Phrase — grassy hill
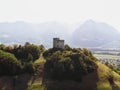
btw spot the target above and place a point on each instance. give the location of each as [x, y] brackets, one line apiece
[102, 79]
[25, 81]
[104, 74]
[98, 80]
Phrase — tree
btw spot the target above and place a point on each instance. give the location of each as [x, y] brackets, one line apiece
[9, 65]
[69, 63]
[28, 67]
[42, 48]
[22, 52]
[30, 57]
[2, 47]
[67, 47]
[34, 50]
[87, 52]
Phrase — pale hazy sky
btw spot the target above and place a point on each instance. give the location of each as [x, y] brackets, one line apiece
[63, 11]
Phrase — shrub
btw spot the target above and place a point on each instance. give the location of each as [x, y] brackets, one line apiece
[9, 65]
[64, 64]
[28, 67]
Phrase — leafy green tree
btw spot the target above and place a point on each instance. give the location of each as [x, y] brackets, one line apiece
[67, 47]
[28, 67]
[42, 48]
[34, 50]
[87, 52]
[64, 64]
[9, 65]
[30, 57]
[2, 47]
[22, 52]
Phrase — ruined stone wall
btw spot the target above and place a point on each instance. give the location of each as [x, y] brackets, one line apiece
[57, 43]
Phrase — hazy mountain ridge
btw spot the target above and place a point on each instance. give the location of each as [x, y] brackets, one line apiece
[93, 34]
[89, 34]
[20, 32]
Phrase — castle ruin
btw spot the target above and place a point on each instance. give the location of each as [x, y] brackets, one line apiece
[57, 43]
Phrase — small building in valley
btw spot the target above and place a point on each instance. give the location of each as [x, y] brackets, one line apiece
[57, 43]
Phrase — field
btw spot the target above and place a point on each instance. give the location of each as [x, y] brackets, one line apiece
[105, 56]
[110, 56]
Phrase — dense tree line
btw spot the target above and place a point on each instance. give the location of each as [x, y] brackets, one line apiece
[18, 59]
[70, 63]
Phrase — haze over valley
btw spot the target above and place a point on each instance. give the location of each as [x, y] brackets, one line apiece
[88, 34]
[59, 45]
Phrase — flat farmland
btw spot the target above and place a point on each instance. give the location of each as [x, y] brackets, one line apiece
[104, 56]
[111, 59]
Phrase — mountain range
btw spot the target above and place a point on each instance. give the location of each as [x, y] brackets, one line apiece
[88, 34]
[93, 34]
[21, 32]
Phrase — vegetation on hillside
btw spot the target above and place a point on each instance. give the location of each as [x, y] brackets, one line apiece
[64, 64]
[116, 69]
[9, 65]
[108, 79]
[54, 69]
[19, 59]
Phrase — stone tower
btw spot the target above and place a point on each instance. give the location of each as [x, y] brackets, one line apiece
[57, 43]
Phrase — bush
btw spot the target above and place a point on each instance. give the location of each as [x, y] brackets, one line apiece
[22, 52]
[19, 59]
[64, 64]
[28, 67]
[9, 65]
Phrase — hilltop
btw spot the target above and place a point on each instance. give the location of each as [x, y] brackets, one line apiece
[61, 71]
[68, 69]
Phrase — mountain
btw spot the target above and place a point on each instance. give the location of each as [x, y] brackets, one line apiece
[114, 44]
[89, 34]
[21, 32]
[93, 34]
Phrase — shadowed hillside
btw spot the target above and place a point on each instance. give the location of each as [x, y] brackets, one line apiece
[99, 78]
[69, 69]
[24, 81]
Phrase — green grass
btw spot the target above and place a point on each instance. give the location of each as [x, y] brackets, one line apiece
[41, 59]
[36, 86]
[103, 86]
[104, 72]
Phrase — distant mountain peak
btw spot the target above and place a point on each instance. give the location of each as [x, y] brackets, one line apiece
[90, 21]
[96, 33]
